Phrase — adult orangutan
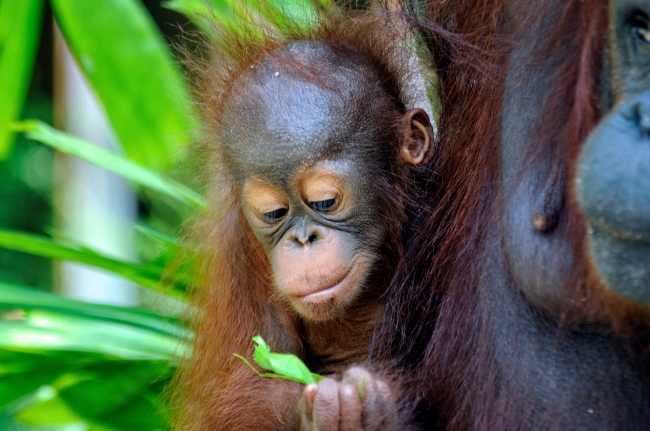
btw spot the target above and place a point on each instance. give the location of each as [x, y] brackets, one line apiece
[533, 311]
[313, 164]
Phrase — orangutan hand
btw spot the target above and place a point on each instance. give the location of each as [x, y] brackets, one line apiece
[360, 401]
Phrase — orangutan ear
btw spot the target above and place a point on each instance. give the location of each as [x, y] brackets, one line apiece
[417, 142]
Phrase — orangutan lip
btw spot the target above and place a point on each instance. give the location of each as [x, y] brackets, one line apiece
[327, 290]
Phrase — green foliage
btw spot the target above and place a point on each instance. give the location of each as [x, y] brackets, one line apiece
[146, 276]
[274, 14]
[283, 365]
[96, 367]
[110, 161]
[67, 365]
[125, 59]
[19, 31]
[25, 182]
[22, 298]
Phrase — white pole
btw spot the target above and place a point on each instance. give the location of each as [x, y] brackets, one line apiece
[91, 206]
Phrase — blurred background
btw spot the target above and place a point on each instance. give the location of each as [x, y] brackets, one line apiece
[95, 184]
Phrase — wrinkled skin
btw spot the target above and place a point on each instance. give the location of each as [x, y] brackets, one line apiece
[311, 163]
[335, 406]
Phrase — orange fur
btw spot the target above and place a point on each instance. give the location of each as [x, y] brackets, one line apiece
[235, 299]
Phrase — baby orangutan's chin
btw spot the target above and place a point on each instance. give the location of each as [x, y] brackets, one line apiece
[322, 311]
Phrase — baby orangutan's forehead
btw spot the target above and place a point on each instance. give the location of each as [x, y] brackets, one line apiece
[280, 130]
[303, 103]
[283, 123]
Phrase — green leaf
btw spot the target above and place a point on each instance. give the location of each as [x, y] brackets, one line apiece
[284, 365]
[203, 12]
[108, 160]
[274, 15]
[286, 14]
[199, 11]
[124, 56]
[100, 389]
[20, 24]
[45, 330]
[15, 386]
[362, 388]
[51, 411]
[19, 297]
[42, 246]
[119, 394]
[106, 369]
[157, 235]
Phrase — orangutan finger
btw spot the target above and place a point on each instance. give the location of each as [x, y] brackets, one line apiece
[326, 406]
[350, 408]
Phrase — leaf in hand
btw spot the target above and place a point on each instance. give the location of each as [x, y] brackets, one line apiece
[283, 365]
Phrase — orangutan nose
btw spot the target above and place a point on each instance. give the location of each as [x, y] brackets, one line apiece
[308, 234]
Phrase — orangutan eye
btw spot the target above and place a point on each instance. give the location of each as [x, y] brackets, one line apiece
[322, 206]
[275, 215]
[640, 28]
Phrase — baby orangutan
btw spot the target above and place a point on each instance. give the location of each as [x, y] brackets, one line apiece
[316, 160]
